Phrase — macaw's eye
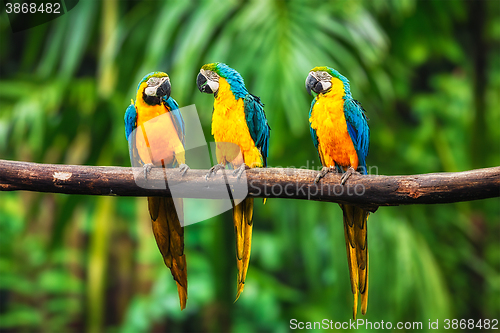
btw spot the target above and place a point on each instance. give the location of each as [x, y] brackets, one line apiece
[154, 81]
[324, 76]
[212, 76]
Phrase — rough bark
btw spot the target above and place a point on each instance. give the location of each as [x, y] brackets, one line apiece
[368, 191]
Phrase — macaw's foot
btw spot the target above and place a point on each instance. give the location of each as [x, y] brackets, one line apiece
[147, 169]
[323, 173]
[346, 175]
[239, 171]
[213, 170]
[183, 168]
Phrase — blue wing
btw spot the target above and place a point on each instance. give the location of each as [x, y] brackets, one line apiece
[257, 124]
[130, 126]
[177, 117]
[130, 120]
[358, 129]
[314, 136]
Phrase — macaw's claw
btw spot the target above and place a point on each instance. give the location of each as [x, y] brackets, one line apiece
[346, 175]
[323, 173]
[213, 170]
[183, 168]
[239, 171]
[147, 169]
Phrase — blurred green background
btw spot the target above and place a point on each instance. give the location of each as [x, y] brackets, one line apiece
[428, 74]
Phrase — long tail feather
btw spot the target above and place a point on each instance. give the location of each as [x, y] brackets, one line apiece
[169, 235]
[364, 294]
[355, 232]
[243, 224]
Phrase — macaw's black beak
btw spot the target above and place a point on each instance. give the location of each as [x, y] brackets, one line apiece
[164, 89]
[313, 84]
[203, 86]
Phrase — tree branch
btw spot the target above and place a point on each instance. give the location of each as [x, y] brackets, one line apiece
[367, 191]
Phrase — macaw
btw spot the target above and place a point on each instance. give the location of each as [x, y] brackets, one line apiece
[160, 142]
[238, 118]
[340, 133]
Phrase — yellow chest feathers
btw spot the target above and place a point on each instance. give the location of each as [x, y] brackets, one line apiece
[229, 125]
[327, 118]
[157, 140]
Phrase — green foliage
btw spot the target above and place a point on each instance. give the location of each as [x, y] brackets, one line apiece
[430, 87]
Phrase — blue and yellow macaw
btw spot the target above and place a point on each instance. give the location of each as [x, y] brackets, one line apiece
[341, 135]
[238, 118]
[159, 141]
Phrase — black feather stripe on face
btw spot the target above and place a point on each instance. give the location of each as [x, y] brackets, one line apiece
[151, 100]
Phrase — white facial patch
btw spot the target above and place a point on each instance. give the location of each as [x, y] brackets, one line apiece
[214, 86]
[212, 79]
[323, 76]
[150, 91]
[326, 85]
